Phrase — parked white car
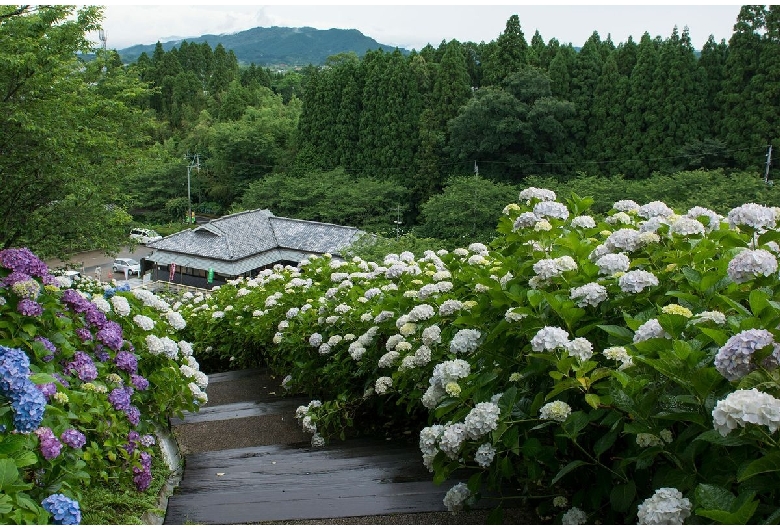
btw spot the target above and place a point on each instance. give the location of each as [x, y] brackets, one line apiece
[126, 264]
[144, 235]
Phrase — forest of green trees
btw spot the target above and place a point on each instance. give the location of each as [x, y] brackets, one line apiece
[443, 136]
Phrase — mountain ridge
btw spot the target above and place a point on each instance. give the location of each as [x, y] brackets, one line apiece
[276, 45]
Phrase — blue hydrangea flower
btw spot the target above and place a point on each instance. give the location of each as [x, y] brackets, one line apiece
[63, 509]
[27, 400]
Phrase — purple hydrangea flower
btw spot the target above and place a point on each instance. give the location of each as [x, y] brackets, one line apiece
[84, 334]
[63, 509]
[75, 301]
[120, 398]
[61, 379]
[100, 353]
[29, 308]
[111, 335]
[139, 382]
[47, 343]
[126, 361]
[73, 438]
[147, 440]
[50, 445]
[47, 389]
[133, 438]
[143, 475]
[23, 260]
[84, 367]
[95, 316]
[735, 358]
[15, 277]
[133, 415]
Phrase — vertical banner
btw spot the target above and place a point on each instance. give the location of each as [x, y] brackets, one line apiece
[171, 271]
[210, 276]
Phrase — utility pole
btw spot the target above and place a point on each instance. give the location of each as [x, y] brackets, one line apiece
[397, 222]
[194, 163]
[476, 168]
[768, 163]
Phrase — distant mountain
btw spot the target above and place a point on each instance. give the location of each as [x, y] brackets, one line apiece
[277, 46]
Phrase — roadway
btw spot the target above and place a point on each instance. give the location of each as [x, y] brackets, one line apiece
[87, 262]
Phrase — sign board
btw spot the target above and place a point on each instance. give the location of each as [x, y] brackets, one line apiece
[210, 276]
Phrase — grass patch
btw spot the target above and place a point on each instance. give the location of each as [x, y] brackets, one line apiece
[112, 503]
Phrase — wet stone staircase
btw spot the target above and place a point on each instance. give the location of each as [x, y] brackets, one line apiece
[246, 460]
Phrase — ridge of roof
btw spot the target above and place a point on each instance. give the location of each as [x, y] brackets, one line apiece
[312, 222]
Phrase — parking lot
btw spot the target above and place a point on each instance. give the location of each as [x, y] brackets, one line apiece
[88, 262]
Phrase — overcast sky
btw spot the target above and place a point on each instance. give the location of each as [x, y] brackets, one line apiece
[414, 26]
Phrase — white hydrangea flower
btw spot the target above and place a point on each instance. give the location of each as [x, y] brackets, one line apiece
[646, 439]
[581, 348]
[511, 316]
[666, 506]
[714, 218]
[315, 340]
[452, 439]
[555, 410]
[456, 497]
[542, 226]
[743, 407]
[383, 385]
[626, 206]
[540, 194]
[654, 209]
[636, 281]
[420, 312]
[610, 264]
[465, 341]
[121, 305]
[324, 348]
[384, 315]
[590, 294]
[478, 260]
[618, 353]
[478, 248]
[620, 218]
[583, 221]
[560, 502]
[450, 307]
[552, 209]
[447, 371]
[102, 304]
[431, 335]
[749, 264]
[574, 516]
[685, 226]
[482, 419]
[485, 455]
[550, 338]
[154, 345]
[143, 322]
[388, 359]
[753, 215]
[624, 239]
[650, 330]
[317, 440]
[525, 220]
[715, 317]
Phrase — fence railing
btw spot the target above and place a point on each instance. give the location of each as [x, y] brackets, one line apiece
[177, 288]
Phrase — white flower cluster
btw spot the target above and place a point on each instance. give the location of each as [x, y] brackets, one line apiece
[753, 215]
[636, 281]
[749, 264]
[734, 359]
[650, 330]
[429, 439]
[580, 348]
[626, 205]
[609, 264]
[552, 209]
[102, 304]
[555, 410]
[144, 322]
[620, 354]
[485, 455]
[666, 506]
[456, 497]
[150, 299]
[444, 373]
[714, 218]
[482, 419]
[654, 209]
[358, 348]
[716, 317]
[746, 406]
[511, 316]
[175, 319]
[420, 312]
[465, 341]
[574, 516]
[315, 340]
[540, 194]
[620, 218]
[590, 294]
[120, 305]
[525, 220]
[551, 268]
[550, 338]
[420, 358]
[685, 226]
[383, 385]
[431, 335]
[624, 239]
[583, 221]
[384, 315]
[450, 307]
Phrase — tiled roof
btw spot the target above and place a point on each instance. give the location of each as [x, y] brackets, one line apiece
[242, 236]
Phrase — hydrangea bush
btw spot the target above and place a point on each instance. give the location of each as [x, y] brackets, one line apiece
[607, 369]
[82, 386]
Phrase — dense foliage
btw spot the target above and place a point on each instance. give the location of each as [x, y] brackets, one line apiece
[88, 373]
[603, 368]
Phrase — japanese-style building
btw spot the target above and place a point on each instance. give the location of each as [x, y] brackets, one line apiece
[242, 244]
